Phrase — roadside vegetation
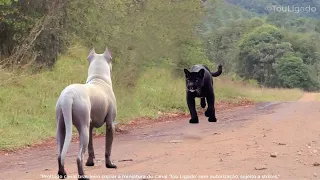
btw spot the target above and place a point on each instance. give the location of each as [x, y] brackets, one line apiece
[27, 113]
[151, 42]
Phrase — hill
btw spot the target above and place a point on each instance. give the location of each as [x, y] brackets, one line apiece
[300, 8]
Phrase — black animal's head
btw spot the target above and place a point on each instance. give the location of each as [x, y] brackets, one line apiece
[194, 80]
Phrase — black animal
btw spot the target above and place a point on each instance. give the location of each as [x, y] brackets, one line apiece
[199, 84]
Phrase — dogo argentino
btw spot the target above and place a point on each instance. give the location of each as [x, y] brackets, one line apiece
[87, 106]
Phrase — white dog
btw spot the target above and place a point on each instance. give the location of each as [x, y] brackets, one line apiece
[87, 106]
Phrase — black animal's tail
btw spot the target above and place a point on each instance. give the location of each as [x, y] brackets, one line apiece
[216, 74]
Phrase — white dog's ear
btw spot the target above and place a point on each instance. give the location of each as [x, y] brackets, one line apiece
[91, 54]
[107, 55]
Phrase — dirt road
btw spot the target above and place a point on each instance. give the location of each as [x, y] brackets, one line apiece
[240, 144]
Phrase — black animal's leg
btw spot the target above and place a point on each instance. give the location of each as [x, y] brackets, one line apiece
[203, 102]
[90, 161]
[208, 111]
[211, 110]
[192, 108]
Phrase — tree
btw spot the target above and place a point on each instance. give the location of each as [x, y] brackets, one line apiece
[30, 31]
[259, 51]
[221, 45]
[293, 73]
[306, 45]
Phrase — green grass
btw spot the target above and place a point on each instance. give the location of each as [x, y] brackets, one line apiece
[228, 89]
[27, 108]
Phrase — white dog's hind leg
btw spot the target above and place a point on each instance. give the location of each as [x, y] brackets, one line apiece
[91, 156]
[61, 132]
[65, 110]
[84, 141]
[110, 130]
[109, 139]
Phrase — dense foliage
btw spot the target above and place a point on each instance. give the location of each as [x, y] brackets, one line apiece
[31, 30]
[276, 49]
[139, 33]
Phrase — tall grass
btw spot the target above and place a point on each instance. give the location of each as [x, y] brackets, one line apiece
[27, 108]
[228, 89]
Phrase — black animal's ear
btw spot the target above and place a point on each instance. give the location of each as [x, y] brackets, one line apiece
[201, 73]
[186, 72]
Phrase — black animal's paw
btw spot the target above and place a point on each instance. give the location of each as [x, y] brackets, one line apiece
[203, 103]
[212, 119]
[111, 165]
[208, 113]
[90, 163]
[62, 175]
[194, 121]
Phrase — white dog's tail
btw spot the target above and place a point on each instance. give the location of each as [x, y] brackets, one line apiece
[66, 107]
